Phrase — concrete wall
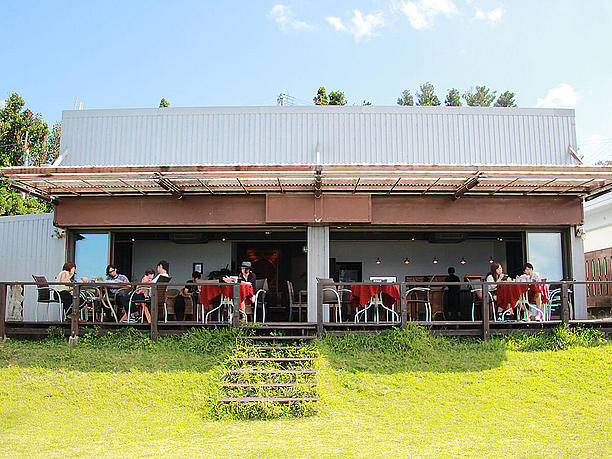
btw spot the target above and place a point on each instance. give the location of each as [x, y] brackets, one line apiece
[146, 254]
[420, 253]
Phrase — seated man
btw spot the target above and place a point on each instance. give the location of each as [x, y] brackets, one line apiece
[121, 295]
[529, 275]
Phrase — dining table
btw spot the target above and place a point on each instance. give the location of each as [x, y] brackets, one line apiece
[209, 292]
[508, 294]
[368, 295]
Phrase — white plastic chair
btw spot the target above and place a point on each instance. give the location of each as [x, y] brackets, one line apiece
[424, 292]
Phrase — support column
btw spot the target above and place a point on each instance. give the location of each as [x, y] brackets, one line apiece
[579, 274]
[318, 266]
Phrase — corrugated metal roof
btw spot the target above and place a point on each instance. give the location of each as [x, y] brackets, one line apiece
[49, 182]
[294, 135]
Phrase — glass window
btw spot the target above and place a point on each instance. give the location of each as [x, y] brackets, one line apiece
[91, 255]
[544, 253]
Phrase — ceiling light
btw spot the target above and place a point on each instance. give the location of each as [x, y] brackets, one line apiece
[406, 261]
[463, 261]
[491, 260]
[435, 261]
[378, 261]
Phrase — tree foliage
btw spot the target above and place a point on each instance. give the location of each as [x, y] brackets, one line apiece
[426, 95]
[453, 98]
[405, 98]
[163, 103]
[505, 100]
[16, 124]
[321, 97]
[337, 98]
[482, 97]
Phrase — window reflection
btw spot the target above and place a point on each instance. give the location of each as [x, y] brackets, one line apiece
[544, 253]
[91, 254]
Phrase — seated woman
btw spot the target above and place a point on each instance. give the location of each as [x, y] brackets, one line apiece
[142, 293]
[188, 292]
[65, 291]
[496, 274]
[246, 275]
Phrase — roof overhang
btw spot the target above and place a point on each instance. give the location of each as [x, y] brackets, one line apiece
[452, 180]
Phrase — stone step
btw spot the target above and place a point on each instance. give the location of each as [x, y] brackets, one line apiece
[270, 372]
[273, 359]
[266, 399]
[276, 385]
[278, 338]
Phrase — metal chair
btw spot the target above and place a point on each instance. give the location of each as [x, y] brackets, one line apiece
[46, 294]
[554, 302]
[476, 299]
[261, 287]
[420, 295]
[331, 296]
[298, 305]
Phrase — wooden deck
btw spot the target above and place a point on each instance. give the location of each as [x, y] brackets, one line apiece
[296, 330]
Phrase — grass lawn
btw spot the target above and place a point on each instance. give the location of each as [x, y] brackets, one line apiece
[404, 394]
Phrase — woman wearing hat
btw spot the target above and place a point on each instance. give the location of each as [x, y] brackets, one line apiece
[246, 275]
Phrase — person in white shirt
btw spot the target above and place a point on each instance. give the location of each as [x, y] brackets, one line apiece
[529, 275]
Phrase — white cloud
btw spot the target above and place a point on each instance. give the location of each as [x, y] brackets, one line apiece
[282, 15]
[361, 26]
[491, 16]
[2, 103]
[562, 96]
[421, 14]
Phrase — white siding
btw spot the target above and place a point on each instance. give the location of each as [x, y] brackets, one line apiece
[293, 135]
[27, 247]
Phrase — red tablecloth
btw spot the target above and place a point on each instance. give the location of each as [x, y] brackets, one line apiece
[509, 294]
[361, 294]
[210, 291]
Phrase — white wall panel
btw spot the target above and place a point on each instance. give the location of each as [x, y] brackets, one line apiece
[293, 135]
[27, 247]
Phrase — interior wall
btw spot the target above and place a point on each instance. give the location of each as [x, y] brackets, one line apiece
[421, 254]
[146, 254]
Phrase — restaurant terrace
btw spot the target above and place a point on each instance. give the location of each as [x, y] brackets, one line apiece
[351, 215]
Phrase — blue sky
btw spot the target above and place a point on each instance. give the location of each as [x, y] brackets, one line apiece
[194, 53]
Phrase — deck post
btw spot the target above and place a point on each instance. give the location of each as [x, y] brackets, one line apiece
[236, 310]
[319, 309]
[564, 303]
[486, 331]
[403, 305]
[154, 313]
[3, 290]
[74, 316]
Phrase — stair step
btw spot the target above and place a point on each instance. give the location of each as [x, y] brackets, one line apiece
[278, 348]
[270, 372]
[273, 359]
[266, 399]
[246, 385]
[279, 338]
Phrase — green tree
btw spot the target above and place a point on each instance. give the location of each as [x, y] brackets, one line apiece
[405, 98]
[426, 95]
[453, 98]
[163, 103]
[483, 97]
[505, 100]
[321, 97]
[337, 98]
[17, 124]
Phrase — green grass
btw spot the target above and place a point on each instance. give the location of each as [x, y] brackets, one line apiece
[406, 393]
